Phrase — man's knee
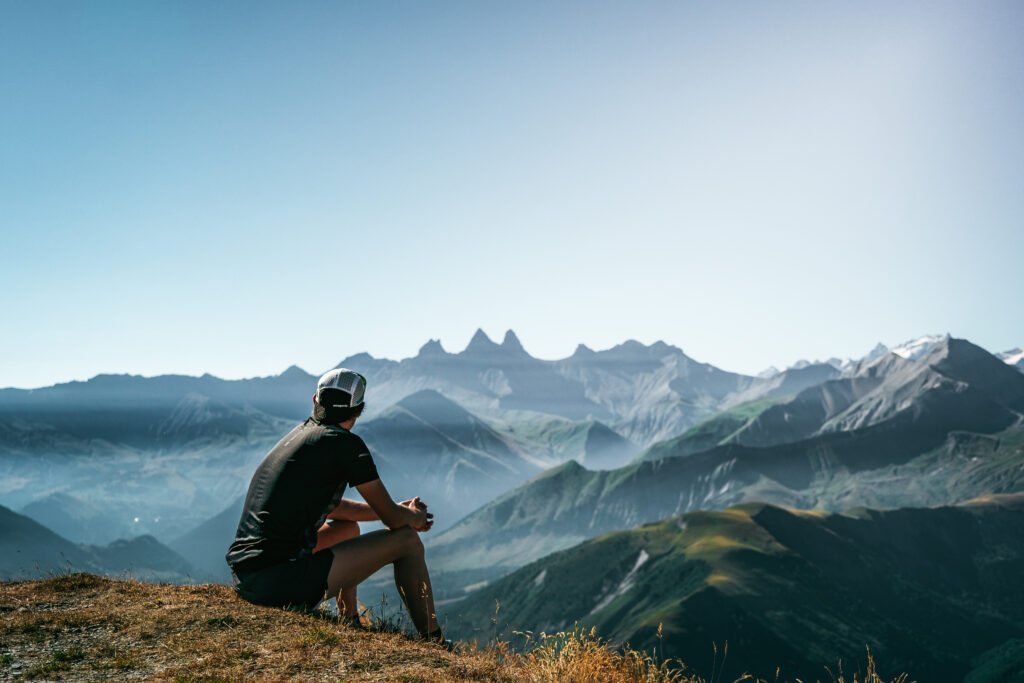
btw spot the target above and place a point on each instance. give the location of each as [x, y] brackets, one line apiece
[410, 539]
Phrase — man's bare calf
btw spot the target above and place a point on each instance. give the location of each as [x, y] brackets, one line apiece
[357, 558]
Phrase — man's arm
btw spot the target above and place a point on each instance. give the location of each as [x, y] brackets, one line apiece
[354, 511]
[393, 515]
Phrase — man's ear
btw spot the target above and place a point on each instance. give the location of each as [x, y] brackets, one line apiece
[314, 399]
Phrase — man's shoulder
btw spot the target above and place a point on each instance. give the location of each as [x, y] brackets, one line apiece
[340, 437]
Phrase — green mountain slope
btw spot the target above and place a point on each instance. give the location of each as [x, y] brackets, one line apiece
[713, 432]
[928, 590]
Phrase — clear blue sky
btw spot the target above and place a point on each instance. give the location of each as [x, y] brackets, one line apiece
[235, 187]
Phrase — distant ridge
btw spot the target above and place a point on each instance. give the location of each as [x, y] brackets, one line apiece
[494, 416]
[480, 341]
[29, 549]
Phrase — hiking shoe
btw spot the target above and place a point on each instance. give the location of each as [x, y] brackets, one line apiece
[353, 621]
[437, 637]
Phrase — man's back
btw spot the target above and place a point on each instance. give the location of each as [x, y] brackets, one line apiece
[300, 480]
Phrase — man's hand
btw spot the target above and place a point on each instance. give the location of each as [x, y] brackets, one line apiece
[412, 513]
[414, 504]
[417, 505]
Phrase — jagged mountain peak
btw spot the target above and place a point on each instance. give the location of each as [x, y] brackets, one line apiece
[367, 365]
[847, 365]
[632, 347]
[921, 346]
[294, 371]
[769, 372]
[964, 361]
[432, 348]
[355, 360]
[947, 349]
[511, 342]
[877, 366]
[878, 351]
[583, 350]
[480, 342]
[661, 347]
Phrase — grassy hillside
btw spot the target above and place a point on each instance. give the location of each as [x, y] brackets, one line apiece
[82, 627]
[932, 591]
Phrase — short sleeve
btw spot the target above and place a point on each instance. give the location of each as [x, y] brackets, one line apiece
[363, 468]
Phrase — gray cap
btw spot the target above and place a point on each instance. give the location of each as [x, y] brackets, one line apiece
[341, 388]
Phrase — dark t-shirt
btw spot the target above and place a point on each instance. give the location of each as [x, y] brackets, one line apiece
[299, 482]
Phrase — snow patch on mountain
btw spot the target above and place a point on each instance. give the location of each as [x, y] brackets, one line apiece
[916, 348]
[624, 585]
[539, 579]
[1012, 357]
[913, 349]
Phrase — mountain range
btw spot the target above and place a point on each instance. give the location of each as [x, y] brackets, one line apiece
[619, 488]
[644, 393]
[120, 456]
[891, 432]
[161, 455]
[935, 592]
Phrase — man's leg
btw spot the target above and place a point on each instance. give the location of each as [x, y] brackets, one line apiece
[332, 533]
[358, 558]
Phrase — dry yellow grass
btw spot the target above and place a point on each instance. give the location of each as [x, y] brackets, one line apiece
[83, 627]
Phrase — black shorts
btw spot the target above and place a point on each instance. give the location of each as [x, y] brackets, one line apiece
[301, 582]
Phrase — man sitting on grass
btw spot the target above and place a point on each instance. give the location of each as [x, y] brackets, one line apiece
[298, 539]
